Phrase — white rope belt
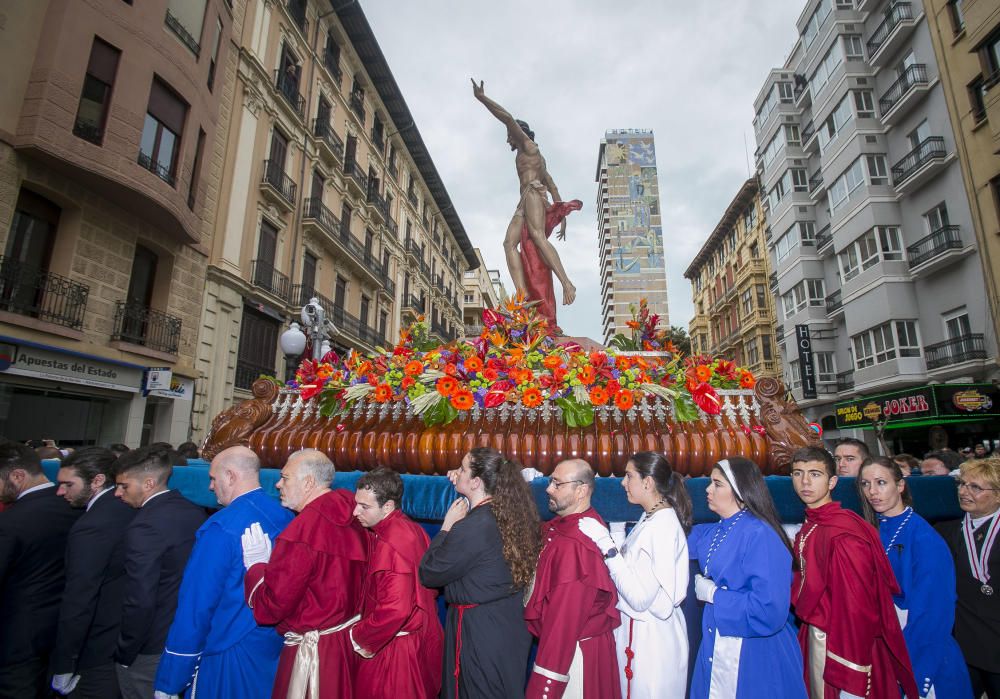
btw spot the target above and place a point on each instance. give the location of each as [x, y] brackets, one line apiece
[305, 670]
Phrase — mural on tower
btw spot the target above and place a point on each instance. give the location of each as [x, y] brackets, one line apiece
[638, 233]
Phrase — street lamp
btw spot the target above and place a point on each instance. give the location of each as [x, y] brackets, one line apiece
[318, 329]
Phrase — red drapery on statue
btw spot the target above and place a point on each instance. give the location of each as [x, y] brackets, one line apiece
[537, 275]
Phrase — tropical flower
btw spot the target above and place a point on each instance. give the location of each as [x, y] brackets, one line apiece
[532, 397]
[462, 400]
[490, 374]
[614, 387]
[446, 385]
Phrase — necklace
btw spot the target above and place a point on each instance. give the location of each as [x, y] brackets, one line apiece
[660, 504]
[802, 558]
[717, 542]
[909, 513]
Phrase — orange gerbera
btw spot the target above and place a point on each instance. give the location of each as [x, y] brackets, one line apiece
[473, 363]
[462, 399]
[414, 368]
[623, 362]
[552, 361]
[521, 375]
[747, 380]
[383, 393]
[450, 369]
[598, 396]
[624, 400]
[532, 398]
[703, 373]
[587, 375]
[446, 385]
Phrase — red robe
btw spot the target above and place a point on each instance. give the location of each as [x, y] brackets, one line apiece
[573, 599]
[537, 275]
[845, 590]
[394, 601]
[314, 582]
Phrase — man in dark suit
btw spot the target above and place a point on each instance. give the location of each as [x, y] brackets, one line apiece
[158, 542]
[83, 659]
[33, 531]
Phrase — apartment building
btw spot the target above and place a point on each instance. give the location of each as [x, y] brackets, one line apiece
[110, 130]
[630, 233]
[733, 309]
[877, 271]
[328, 192]
[482, 288]
[966, 39]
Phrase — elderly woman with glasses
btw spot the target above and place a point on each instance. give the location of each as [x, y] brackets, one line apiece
[925, 572]
[972, 541]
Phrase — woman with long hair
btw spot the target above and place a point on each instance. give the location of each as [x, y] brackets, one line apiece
[925, 571]
[748, 645]
[651, 576]
[484, 557]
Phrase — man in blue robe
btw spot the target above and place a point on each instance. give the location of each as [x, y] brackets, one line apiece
[214, 645]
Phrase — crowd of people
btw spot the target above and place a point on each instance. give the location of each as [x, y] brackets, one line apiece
[112, 584]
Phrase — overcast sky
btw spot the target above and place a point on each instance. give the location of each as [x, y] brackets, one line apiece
[688, 71]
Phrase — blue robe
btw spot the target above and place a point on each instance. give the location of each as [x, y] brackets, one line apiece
[925, 571]
[750, 612]
[214, 642]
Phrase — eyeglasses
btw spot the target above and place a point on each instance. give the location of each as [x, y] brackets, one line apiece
[974, 488]
[559, 484]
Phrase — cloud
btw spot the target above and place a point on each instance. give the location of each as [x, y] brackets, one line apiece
[689, 71]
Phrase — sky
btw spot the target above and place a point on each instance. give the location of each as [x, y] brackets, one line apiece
[572, 70]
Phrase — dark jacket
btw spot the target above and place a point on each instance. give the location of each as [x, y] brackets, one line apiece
[33, 534]
[157, 545]
[95, 586]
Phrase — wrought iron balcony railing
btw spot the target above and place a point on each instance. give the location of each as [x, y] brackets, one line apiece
[835, 301]
[288, 85]
[139, 324]
[331, 59]
[357, 103]
[354, 172]
[845, 381]
[915, 74]
[40, 294]
[264, 276]
[164, 173]
[965, 348]
[897, 13]
[247, 372]
[275, 176]
[182, 33]
[88, 130]
[940, 241]
[316, 210]
[324, 130]
[930, 148]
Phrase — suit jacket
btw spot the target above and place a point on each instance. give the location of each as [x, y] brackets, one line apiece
[33, 534]
[158, 542]
[95, 586]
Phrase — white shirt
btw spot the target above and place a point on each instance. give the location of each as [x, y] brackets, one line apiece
[979, 521]
[34, 488]
[153, 496]
[90, 503]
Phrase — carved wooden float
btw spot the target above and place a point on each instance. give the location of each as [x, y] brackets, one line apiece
[759, 424]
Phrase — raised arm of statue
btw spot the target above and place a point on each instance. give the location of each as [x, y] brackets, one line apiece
[513, 130]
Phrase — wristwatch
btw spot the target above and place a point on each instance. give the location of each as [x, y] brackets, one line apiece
[612, 552]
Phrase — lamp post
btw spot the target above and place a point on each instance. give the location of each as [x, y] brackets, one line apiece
[317, 328]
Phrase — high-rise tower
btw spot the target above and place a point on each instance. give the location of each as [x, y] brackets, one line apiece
[630, 235]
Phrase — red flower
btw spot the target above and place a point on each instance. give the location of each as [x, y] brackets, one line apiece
[494, 363]
[559, 374]
[586, 375]
[490, 374]
[552, 361]
[491, 318]
[309, 391]
[598, 359]
[726, 369]
[614, 387]
[623, 362]
[624, 400]
[450, 369]
[707, 399]
[383, 393]
[407, 382]
[598, 396]
[446, 385]
[462, 399]
[494, 397]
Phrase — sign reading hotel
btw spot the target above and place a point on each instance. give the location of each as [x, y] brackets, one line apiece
[936, 401]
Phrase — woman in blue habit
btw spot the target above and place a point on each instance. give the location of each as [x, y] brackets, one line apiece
[748, 647]
[925, 571]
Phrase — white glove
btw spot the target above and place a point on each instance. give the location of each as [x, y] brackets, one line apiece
[256, 546]
[163, 695]
[597, 533]
[704, 588]
[65, 683]
[618, 533]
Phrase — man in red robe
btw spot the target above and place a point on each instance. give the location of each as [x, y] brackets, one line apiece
[399, 635]
[572, 607]
[310, 586]
[842, 591]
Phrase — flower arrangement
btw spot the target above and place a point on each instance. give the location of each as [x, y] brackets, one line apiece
[516, 360]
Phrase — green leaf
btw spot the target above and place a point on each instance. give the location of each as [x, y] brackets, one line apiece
[440, 413]
[330, 404]
[623, 342]
[575, 414]
[684, 408]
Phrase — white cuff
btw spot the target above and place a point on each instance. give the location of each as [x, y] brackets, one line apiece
[551, 674]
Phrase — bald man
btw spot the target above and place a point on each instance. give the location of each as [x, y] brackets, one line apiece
[215, 646]
[572, 609]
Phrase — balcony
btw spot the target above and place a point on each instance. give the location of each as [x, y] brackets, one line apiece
[247, 372]
[377, 204]
[347, 324]
[331, 59]
[392, 227]
[939, 249]
[357, 104]
[287, 86]
[958, 350]
[823, 238]
[904, 94]
[413, 250]
[816, 187]
[388, 286]
[40, 294]
[412, 197]
[378, 140]
[265, 277]
[845, 381]
[181, 32]
[356, 178]
[919, 165]
[414, 305]
[297, 11]
[88, 130]
[748, 270]
[303, 294]
[277, 186]
[835, 303]
[161, 171]
[361, 257]
[137, 324]
[316, 215]
[772, 281]
[891, 33]
[472, 330]
[330, 143]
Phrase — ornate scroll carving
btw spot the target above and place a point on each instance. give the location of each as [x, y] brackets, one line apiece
[233, 426]
[786, 429]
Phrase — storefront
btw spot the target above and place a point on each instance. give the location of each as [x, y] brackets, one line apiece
[925, 418]
[80, 400]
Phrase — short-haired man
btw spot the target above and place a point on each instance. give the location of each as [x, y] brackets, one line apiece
[33, 532]
[842, 592]
[572, 609]
[940, 463]
[399, 634]
[83, 659]
[310, 586]
[849, 454]
[158, 542]
[979, 451]
[214, 644]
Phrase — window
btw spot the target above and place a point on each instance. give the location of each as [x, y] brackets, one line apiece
[957, 16]
[771, 150]
[765, 347]
[257, 348]
[470, 298]
[792, 136]
[977, 98]
[819, 16]
[937, 218]
[29, 248]
[831, 61]
[844, 185]
[786, 244]
[878, 173]
[879, 344]
[340, 292]
[807, 292]
[213, 61]
[185, 18]
[817, 292]
[383, 324]
[753, 354]
[890, 242]
[746, 299]
[826, 368]
[161, 132]
[832, 125]
[95, 97]
[853, 47]
[794, 375]
[332, 57]
[956, 324]
[807, 231]
[919, 134]
[196, 170]
[800, 180]
[363, 315]
[858, 256]
[864, 104]
[906, 333]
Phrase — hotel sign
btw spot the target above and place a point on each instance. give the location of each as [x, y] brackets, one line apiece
[936, 401]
